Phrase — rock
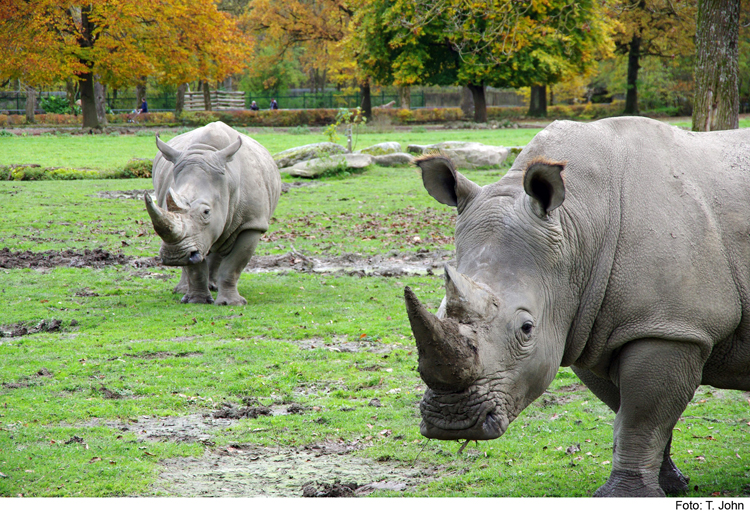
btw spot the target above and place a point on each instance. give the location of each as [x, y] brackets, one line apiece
[393, 159]
[296, 155]
[314, 168]
[465, 154]
[383, 148]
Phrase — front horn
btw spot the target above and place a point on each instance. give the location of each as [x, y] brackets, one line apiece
[167, 224]
[448, 360]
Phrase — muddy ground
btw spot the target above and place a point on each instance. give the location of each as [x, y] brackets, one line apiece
[326, 469]
[389, 265]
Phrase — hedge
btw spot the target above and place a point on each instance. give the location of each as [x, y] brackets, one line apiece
[324, 117]
[134, 169]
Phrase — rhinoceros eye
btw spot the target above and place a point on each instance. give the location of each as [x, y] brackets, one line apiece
[526, 327]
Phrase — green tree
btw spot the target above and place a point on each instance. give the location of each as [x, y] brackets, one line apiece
[476, 44]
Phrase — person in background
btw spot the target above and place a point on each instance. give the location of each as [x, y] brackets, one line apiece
[274, 105]
[254, 106]
[144, 106]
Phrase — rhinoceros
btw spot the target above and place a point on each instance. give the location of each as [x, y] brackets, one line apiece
[216, 191]
[619, 248]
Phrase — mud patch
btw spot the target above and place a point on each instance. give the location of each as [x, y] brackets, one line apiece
[324, 470]
[389, 265]
[341, 344]
[24, 328]
[120, 194]
[96, 258]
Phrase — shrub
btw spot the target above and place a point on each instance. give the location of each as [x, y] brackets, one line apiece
[54, 104]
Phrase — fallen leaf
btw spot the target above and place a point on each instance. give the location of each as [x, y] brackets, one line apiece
[147, 454]
[3, 475]
[95, 459]
[700, 458]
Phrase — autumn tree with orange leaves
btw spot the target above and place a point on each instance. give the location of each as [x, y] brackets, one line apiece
[117, 42]
[312, 33]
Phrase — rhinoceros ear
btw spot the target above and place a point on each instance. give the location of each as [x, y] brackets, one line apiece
[444, 183]
[169, 153]
[227, 153]
[543, 182]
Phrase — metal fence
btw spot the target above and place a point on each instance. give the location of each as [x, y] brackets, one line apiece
[15, 101]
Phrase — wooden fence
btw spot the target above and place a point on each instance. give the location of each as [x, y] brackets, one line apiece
[220, 100]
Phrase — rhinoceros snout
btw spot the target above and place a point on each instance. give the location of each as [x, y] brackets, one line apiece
[195, 258]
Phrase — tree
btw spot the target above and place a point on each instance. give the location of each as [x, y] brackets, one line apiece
[716, 102]
[478, 44]
[308, 33]
[658, 28]
[117, 42]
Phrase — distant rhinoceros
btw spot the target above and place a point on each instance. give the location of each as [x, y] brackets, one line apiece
[620, 248]
[216, 190]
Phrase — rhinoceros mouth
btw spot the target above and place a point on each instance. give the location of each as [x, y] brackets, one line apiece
[179, 256]
[453, 416]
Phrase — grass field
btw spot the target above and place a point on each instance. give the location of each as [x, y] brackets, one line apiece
[137, 394]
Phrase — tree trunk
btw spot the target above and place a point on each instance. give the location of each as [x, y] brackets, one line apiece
[100, 98]
[30, 104]
[404, 97]
[207, 95]
[538, 102]
[634, 58]
[179, 104]
[480, 104]
[717, 103]
[86, 80]
[88, 101]
[467, 102]
[70, 89]
[366, 99]
[140, 93]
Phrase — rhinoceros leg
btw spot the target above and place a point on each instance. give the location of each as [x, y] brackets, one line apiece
[197, 284]
[214, 260]
[182, 286]
[671, 480]
[232, 266]
[657, 379]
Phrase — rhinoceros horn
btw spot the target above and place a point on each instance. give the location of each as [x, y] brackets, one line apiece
[227, 153]
[167, 224]
[448, 360]
[169, 153]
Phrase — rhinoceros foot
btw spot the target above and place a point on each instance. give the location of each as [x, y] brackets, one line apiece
[230, 299]
[197, 298]
[672, 480]
[623, 483]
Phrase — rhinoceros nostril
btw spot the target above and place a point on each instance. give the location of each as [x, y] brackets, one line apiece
[195, 257]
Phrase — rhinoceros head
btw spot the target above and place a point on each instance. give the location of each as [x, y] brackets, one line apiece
[197, 205]
[497, 340]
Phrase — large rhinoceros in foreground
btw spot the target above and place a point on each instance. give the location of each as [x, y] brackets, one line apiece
[216, 190]
[620, 248]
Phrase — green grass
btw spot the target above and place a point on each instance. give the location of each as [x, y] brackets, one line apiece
[105, 152]
[132, 338]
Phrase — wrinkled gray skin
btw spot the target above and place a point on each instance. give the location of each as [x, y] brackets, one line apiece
[216, 190]
[620, 248]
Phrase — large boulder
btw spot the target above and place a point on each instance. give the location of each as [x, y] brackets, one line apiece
[296, 155]
[465, 155]
[315, 168]
[393, 159]
[383, 148]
